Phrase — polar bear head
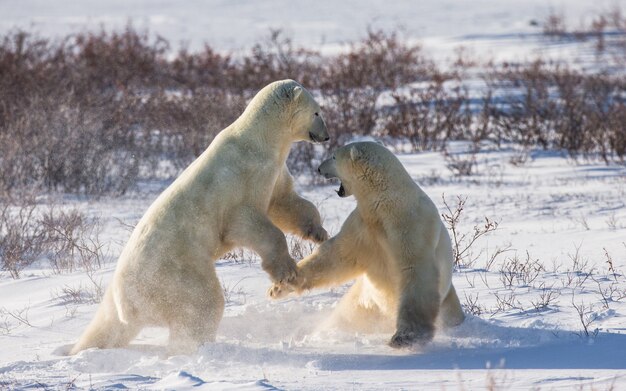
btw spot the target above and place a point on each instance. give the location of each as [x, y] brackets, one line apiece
[294, 107]
[363, 168]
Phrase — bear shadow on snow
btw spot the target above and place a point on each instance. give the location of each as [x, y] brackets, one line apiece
[492, 346]
[475, 344]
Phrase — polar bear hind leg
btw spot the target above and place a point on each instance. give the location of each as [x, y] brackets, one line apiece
[196, 312]
[419, 305]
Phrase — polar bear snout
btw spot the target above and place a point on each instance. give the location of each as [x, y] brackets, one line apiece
[328, 169]
[318, 132]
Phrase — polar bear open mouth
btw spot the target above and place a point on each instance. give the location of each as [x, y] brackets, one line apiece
[316, 139]
[341, 192]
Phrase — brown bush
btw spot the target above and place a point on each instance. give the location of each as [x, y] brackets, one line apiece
[428, 117]
[353, 81]
[203, 69]
[29, 232]
[96, 112]
[54, 143]
[557, 107]
[185, 124]
[382, 61]
[276, 59]
[22, 240]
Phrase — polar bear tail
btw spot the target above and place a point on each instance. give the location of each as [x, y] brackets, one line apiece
[119, 308]
[106, 330]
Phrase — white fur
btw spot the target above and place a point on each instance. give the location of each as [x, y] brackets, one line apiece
[394, 243]
[238, 193]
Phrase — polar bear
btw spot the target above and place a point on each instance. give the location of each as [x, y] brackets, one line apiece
[237, 193]
[394, 243]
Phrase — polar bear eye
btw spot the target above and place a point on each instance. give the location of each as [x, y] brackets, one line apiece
[333, 157]
[317, 114]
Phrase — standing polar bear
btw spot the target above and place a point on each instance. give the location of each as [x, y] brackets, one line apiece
[394, 242]
[237, 193]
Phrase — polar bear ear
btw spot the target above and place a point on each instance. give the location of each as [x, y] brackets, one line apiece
[297, 90]
[355, 154]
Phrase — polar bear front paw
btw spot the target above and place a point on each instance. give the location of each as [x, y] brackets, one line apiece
[282, 272]
[279, 291]
[403, 339]
[316, 233]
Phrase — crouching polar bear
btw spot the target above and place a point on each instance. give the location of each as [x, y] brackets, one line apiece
[394, 242]
[238, 193]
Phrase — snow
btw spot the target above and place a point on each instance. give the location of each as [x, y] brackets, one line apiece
[565, 215]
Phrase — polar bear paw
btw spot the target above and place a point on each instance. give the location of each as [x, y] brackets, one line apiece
[279, 291]
[281, 271]
[406, 338]
[316, 233]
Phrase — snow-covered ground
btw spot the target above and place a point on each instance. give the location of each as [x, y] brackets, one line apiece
[559, 222]
[567, 216]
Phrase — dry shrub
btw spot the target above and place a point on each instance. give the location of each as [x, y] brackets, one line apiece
[350, 112]
[56, 144]
[93, 112]
[607, 28]
[381, 61]
[203, 69]
[22, 238]
[274, 59]
[304, 159]
[184, 124]
[523, 112]
[55, 127]
[429, 116]
[557, 107]
[96, 112]
[118, 61]
[554, 25]
[72, 240]
[299, 248]
[353, 81]
[462, 243]
[462, 163]
[30, 233]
